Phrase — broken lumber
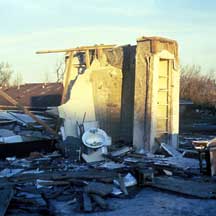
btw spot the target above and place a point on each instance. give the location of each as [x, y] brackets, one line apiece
[122, 184]
[87, 205]
[78, 49]
[26, 111]
[100, 201]
[120, 151]
[204, 190]
[66, 175]
[67, 72]
[99, 188]
[170, 150]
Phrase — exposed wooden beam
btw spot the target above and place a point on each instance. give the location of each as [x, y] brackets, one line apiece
[67, 76]
[78, 49]
[87, 58]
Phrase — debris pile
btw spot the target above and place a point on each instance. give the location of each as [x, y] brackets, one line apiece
[106, 131]
[50, 184]
[21, 131]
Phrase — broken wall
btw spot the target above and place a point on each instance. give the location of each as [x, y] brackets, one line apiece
[104, 91]
[79, 98]
[113, 86]
[132, 91]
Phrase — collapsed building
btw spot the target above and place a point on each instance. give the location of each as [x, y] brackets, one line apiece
[131, 90]
[119, 105]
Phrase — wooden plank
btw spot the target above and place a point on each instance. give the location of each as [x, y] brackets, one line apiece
[99, 52]
[26, 111]
[78, 49]
[205, 190]
[122, 184]
[6, 194]
[170, 150]
[212, 151]
[100, 201]
[63, 175]
[87, 205]
[212, 141]
[67, 77]
[87, 59]
[99, 188]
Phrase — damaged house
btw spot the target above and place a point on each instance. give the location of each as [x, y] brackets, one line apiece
[113, 132]
[132, 91]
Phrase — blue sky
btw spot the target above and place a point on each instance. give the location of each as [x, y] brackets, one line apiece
[31, 25]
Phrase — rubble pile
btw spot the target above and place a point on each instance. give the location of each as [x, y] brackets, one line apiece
[50, 184]
[13, 122]
[119, 105]
[21, 131]
[90, 170]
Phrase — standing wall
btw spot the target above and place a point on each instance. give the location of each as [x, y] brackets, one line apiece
[156, 99]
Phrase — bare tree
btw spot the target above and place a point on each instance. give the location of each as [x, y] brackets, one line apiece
[197, 86]
[18, 80]
[5, 74]
[59, 70]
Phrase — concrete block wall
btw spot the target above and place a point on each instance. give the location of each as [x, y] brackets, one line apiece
[113, 86]
[120, 91]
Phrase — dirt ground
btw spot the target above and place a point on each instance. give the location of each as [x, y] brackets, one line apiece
[152, 202]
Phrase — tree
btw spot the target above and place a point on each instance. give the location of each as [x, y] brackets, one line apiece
[59, 70]
[197, 86]
[5, 74]
[18, 80]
